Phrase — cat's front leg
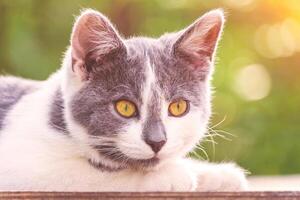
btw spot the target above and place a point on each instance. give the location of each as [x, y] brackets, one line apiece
[219, 177]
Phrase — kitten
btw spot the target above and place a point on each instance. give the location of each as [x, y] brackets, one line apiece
[120, 115]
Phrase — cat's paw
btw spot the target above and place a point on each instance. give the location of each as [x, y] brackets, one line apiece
[181, 177]
[174, 176]
[221, 177]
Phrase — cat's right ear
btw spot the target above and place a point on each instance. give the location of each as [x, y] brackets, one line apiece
[93, 41]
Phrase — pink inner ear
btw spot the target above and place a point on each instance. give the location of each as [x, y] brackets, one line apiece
[199, 41]
[93, 37]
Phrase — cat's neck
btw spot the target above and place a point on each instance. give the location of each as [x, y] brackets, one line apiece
[61, 86]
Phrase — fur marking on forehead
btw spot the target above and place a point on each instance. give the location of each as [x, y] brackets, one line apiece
[147, 88]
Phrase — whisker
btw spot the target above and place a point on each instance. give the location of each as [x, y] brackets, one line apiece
[217, 133]
[222, 131]
[213, 143]
[199, 147]
[219, 123]
[208, 140]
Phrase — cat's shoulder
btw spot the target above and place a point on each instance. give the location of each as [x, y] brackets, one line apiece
[11, 86]
[12, 89]
[13, 80]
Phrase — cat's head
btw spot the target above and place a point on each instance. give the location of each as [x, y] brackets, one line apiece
[134, 103]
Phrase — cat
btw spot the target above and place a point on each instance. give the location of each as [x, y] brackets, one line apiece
[120, 114]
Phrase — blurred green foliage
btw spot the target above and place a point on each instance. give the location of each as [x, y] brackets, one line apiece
[34, 33]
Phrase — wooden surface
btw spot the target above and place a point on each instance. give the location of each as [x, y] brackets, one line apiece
[156, 195]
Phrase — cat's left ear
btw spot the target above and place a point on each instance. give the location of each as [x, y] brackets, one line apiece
[197, 43]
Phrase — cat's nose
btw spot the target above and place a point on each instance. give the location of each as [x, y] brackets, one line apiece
[156, 145]
[154, 135]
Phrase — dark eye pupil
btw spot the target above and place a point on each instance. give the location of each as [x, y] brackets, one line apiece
[126, 107]
[178, 106]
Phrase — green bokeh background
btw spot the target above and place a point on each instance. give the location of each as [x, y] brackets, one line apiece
[35, 33]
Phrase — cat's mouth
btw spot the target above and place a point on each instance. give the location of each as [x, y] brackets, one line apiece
[125, 161]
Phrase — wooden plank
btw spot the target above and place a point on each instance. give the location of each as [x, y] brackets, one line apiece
[154, 195]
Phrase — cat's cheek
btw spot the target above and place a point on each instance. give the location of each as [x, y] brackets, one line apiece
[183, 133]
[193, 128]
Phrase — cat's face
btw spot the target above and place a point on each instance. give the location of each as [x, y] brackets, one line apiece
[141, 101]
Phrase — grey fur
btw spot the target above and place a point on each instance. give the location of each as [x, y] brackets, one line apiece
[105, 168]
[57, 118]
[10, 94]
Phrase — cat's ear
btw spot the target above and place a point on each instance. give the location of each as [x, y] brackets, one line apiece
[197, 43]
[93, 41]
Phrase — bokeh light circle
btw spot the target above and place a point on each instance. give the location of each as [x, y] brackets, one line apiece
[253, 82]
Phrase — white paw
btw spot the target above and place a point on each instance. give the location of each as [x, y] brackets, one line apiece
[221, 177]
[175, 176]
[182, 179]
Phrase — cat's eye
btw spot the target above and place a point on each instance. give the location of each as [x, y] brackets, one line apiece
[126, 108]
[178, 108]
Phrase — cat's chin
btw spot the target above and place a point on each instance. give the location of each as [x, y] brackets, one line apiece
[142, 164]
[138, 164]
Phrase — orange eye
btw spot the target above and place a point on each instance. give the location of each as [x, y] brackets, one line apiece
[125, 108]
[178, 108]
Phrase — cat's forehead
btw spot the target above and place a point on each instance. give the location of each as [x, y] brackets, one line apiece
[172, 75]
[143, 45]
[148, 60]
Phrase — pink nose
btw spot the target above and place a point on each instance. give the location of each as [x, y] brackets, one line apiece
[156, 145]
